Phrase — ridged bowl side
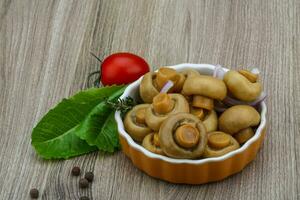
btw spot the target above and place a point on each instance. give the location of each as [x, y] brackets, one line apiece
[189, 173]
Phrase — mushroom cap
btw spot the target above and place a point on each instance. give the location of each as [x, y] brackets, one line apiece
[149, 145]
[154, 120]
[135, 130]
[147, 88]
[190, 72]
[211, 121]
[168, 142]
[237, 118]
[240, 87]
[207, 86]
[214, 152]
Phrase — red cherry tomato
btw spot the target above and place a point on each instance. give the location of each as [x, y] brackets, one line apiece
[122, 68]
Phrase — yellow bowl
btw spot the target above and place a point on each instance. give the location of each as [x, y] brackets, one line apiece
[186, 170]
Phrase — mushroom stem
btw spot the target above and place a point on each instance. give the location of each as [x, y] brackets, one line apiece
[162, 103]
[219, 141]
[249, 75]
[187, 136]
[140, 115]
[165, 74]
[198, 112]
[244, 135]
[203, 102]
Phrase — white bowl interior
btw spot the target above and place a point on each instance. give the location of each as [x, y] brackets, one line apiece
[133, 91]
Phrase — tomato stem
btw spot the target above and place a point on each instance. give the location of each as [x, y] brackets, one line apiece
[96, 82]
[96, 56]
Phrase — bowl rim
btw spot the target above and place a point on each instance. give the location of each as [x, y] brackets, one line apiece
[140, 148]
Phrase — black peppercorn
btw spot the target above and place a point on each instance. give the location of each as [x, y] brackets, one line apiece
[84, 198]
[76, 171]
[34, 193]
[89, 176]
[83, 183]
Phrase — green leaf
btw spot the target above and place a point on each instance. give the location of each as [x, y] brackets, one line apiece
[55, 135]
[108, 138]
[94, 124]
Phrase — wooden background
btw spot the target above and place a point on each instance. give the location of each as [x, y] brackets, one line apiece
[45, 56]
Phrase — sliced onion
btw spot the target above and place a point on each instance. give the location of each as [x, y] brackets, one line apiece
[219, 72]
[220, 106]
[220, 109]
[255, 71]
[167, 87]
[231, 101]
[217, 68]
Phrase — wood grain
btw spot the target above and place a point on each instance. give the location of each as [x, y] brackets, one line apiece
[45, 56]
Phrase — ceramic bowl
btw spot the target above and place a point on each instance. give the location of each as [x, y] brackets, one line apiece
[186, 170]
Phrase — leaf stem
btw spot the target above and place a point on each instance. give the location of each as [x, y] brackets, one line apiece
[96, 82]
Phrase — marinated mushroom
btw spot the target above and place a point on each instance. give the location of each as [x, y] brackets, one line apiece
[210, 121]
[151, 143]
[204, 90]
[219, 143]
[166, 74]
[147, 88]
[134, 122]
[152, 83]
[244, 135]
[243, 85]
[237, 118]
[183, 135]
[164, 105]
[206, 86]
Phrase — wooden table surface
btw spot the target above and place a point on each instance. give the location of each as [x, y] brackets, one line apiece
[45, 56]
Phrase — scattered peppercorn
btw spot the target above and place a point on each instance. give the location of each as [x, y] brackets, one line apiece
[89, 176]
[75, 171]
[83, 183]
[34, 193]
[84, 198]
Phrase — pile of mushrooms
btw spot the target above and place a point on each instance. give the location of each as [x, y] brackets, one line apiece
[181, 117]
